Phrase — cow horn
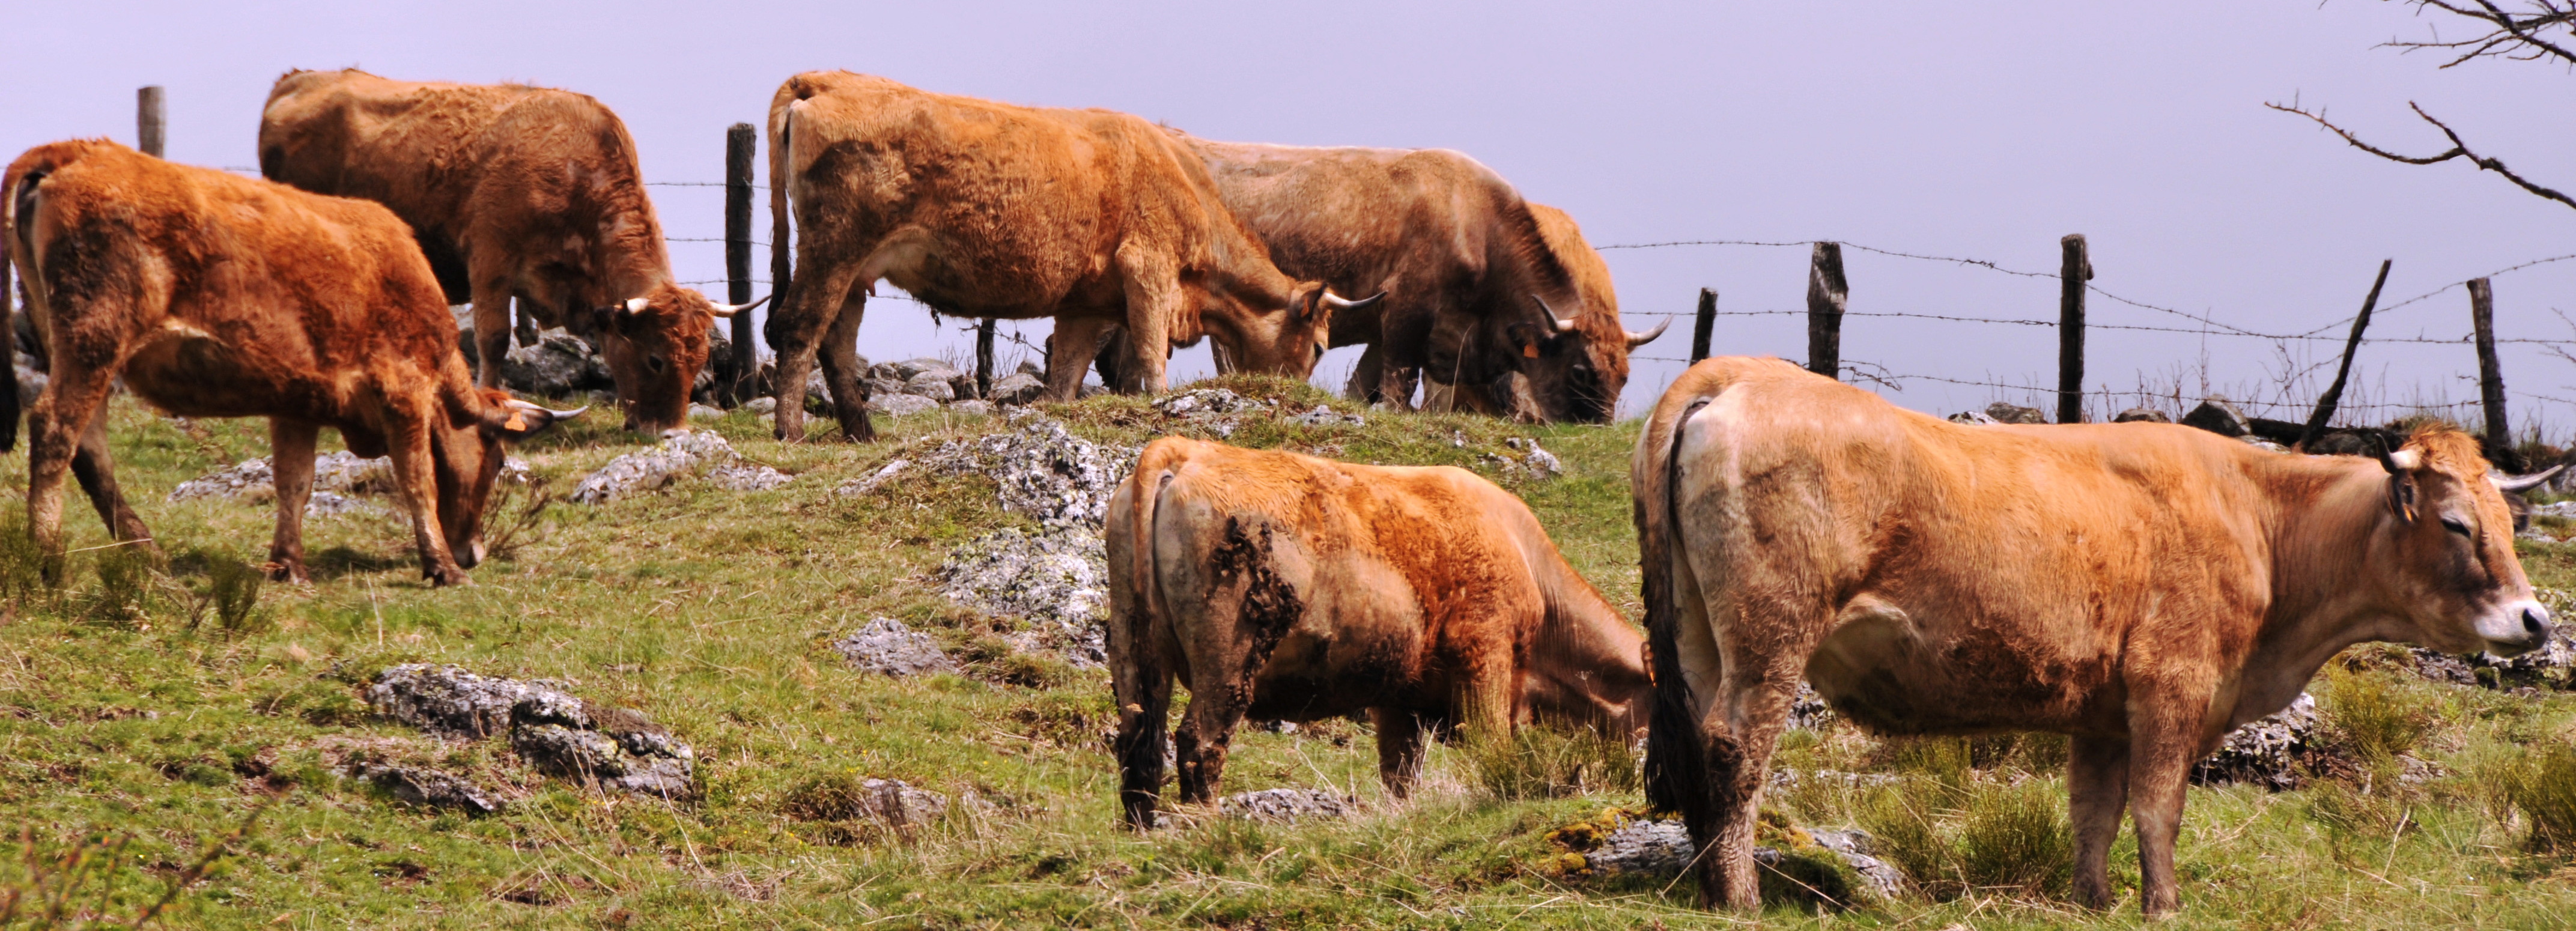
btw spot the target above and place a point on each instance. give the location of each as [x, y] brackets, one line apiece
[2521, 482]
[636, 305]
[556, 414]
[1560, 326]
[722, 309]
[1338, 302]
[1639, 339]
[2403, 460]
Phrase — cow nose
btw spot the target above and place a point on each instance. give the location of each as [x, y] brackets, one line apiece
[2535, 621]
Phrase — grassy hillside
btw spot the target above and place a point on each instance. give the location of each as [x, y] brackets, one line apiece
[713, 611]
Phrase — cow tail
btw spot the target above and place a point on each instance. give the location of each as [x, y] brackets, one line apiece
[781, 164]
[1676, 770]
[1140, 679]
[16, 238]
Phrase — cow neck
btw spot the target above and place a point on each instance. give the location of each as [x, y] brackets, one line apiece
[1582, 633]
[2325, 512]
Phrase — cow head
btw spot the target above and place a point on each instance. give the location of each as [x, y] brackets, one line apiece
[656, 345]
[1291, 341]
[2448, 538]
[467, 458]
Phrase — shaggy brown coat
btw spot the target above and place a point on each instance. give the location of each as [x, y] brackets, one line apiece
[513, 191]
[1281, 586]
[982, 209]
[1468, 271]
[1594, 362]
[2143, 588]
[212, 295]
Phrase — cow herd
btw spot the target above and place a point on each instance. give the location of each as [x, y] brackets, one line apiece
[2143, 588]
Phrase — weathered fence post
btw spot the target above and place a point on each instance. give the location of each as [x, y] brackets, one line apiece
[1705, 326]
[984, 358]
[2490, 375]
[148, 120]
[2075, 267]
[1827, 294]
[740, 147]
[2334, 392]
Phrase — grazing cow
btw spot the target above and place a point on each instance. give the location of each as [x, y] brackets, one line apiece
[981, 209]
[1592, 368]
[211, 295]
[2143, 588]
[1281, 586]
[513, 191]
[1475, 282]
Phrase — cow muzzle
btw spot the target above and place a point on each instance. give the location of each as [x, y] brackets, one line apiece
[2516, 628]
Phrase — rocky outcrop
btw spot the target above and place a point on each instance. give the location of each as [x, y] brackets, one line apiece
[1053, 578]
[2220, 416]
[559, 365]
[2142, 415]
[701, 453]
[1286, 805]
[2270, 752]
[887, 647]
[552, 731]
[433, 788]
[2014, 413]
[1662, 847]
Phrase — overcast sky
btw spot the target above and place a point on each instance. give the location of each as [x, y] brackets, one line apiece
[1983, 131]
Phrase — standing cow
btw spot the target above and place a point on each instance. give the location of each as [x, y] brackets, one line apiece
[1478, 292]
[1281, 586]
[980, 209]
[1587, 359]
[2143, 588]
[513, 191]
[211, 295]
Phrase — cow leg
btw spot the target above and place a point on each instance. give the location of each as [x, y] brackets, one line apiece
[813, 305]
[408, 433]
[1143, 690]
[2097, 784]
[290, 461]
[55, 426]
[2163, 743]
[1248, 608]
[1069, 354]
[526, 328]
[1153, 302]
[843, 377]
[491, 332]
[1399, 748]
[96, 471]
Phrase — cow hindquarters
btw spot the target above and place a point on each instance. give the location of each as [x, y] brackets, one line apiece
[290, 459]
[1238, 619]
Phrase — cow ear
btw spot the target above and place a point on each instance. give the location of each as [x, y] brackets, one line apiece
[2401, 464]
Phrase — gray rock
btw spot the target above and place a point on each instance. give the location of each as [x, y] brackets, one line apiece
[618, 748]
[910, 369]
[448, 701]
[1854, 846]
[1662, 848]
[1020, 388]
[1808, 710]
[901, 806]
[2219, 415]
[2142, 415]
[1324, 416]
[1974, 419]
[1286, 805]
[887, 647]
[1211, 401]
[2267, 751]
[2553, 666]
[433, 788]
[679, 455]
[1056, 580]
[1043, 470]
[971, 408]
[931, 385]
[902, 405]
[2014, 413]
[703, 412]
[762, 405]
[882, 387]
[875, 480]
[964, 387]
[558, 365]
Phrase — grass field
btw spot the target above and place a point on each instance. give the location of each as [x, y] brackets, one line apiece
[712, 611]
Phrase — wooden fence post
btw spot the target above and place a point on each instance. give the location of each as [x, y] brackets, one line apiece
[1705, 325]
[984, 358]
[2334, 392]
[1827, 295]
[148, 120]
[740, 147]
[2490, 375]
[2075, 267]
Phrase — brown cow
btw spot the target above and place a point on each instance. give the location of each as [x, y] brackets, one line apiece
[1475, 288]
[513, 191]
[981, 209]
[1282, 586]
[212, 295]
[1593, 368]
[2143, 588]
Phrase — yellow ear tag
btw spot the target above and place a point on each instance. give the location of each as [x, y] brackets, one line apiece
[1529, 350]
[518, 421]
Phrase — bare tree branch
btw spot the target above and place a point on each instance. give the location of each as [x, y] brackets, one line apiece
[2459, 149]
[2510, 36]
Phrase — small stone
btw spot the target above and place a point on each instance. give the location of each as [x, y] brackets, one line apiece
[1021, 388]
[2267, 751]
[2014, 413]
[887, 647]
[2142, 415]
[902, 405]
[762, 405]
[930, 385]
[703, 412]
[1286, 805]
[861, 486]
[1974, 419]
[971, 408]
[679, 455]
[433, 788]
[2220, 416]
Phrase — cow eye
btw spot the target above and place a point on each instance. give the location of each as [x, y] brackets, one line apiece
[2455, 525]
[655, 363]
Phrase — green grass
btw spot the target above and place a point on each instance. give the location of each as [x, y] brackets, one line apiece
[161, 719]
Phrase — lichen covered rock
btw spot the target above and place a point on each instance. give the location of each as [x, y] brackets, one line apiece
[2268, 751]
[679, 455]
[887, 647]
[552, 730]
[1286, 805]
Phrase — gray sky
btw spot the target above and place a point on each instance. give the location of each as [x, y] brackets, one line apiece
[1975, 130]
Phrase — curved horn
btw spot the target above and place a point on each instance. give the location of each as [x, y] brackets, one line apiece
[1338, 302]
[2522, 482]
[556, 414]
[636, 305]
[721, 309]
[1555, 324]
[1639, 339]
